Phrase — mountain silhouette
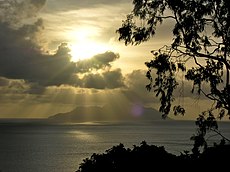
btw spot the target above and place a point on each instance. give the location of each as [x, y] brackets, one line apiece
[131, 112]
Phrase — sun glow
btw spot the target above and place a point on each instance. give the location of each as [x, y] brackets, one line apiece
[86, 49]
[85, 43]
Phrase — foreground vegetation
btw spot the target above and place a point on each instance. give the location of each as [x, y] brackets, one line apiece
[153, 158]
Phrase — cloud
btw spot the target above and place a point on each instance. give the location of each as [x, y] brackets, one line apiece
[21, 55]
[136, 91]
[99, 61]
[101, 17]
[58, 5]
[136, 82]
[4, 82]
[108, 79]
[22, 58]
[13, 11]
[13, 86]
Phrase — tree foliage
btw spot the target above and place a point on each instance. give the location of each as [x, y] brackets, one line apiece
[118, 158]
[151, 158]
[201, 37]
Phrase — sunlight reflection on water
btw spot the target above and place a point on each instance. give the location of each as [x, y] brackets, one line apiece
[84, 136]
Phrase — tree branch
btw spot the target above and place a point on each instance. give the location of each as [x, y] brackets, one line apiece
[194, 57]
[216, 131]
[166, 17]
[210, 96]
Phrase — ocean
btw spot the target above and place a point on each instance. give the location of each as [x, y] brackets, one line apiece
[36, 147]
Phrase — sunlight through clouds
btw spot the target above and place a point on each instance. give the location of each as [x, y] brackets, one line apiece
[64, 54]
[86, 49]
[84, 42]
[88, 30]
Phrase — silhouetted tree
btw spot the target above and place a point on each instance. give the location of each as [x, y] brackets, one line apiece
[140, 158]
[153, 158]
[201, 37]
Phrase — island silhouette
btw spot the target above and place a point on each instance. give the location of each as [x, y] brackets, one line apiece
[130, 112]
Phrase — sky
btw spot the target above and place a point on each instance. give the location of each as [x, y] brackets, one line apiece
[56, 55]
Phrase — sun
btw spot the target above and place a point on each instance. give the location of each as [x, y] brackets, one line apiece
[86, 49]
[84, 43]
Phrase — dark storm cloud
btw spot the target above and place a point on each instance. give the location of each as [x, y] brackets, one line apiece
[99, 61]
[109, 79]
[21, 57]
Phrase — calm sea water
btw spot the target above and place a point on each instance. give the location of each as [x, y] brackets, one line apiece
[26, 147]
